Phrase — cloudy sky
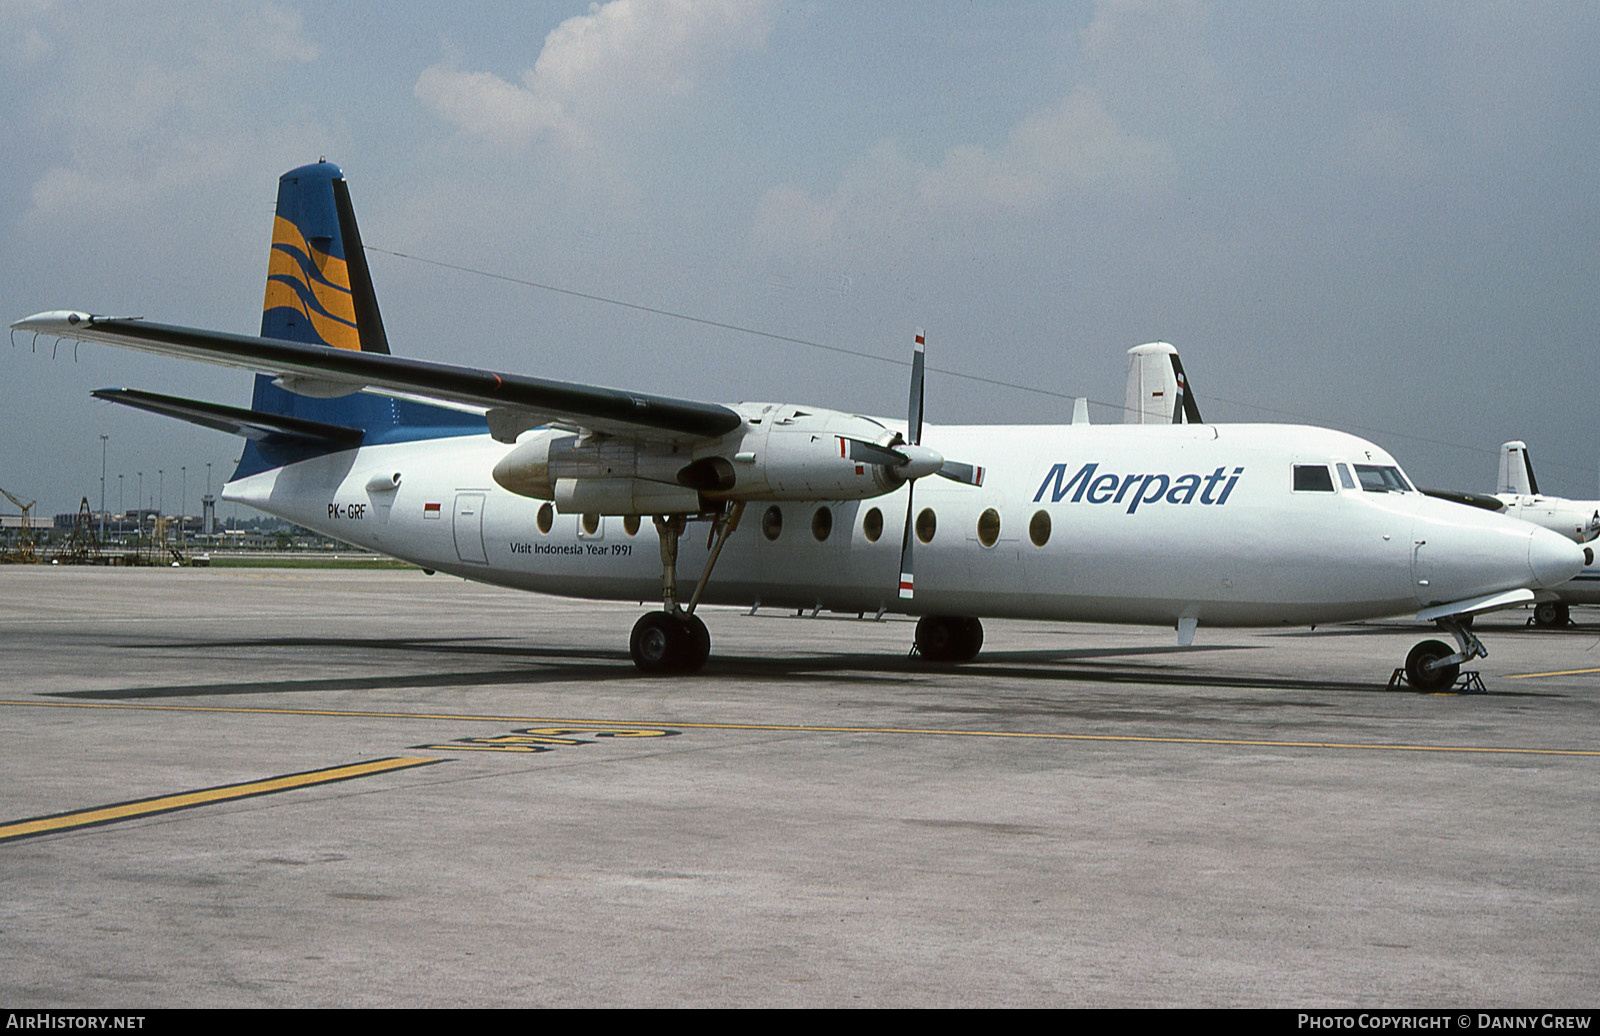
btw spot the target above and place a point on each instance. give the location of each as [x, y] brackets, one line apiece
[1378, 217]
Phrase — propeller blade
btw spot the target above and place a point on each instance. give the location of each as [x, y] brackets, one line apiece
[872, 453]
[906, 578]
[914, 408]
[956, 471]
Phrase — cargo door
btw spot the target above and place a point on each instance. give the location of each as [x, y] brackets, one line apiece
[469, 528]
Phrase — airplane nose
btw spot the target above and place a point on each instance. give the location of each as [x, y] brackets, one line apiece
[1553, 558]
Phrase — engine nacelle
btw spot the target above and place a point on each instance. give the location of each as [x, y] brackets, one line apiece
[623, 496]
[534, 467]
[792, 453]
[782, 453]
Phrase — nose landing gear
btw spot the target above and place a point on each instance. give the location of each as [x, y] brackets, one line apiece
[1432, 666]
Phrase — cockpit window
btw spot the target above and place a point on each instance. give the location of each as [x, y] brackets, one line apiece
[1345, 479]
[1312, 478]
[1377, 478]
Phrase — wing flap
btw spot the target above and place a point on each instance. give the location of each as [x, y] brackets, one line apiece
[599, 409]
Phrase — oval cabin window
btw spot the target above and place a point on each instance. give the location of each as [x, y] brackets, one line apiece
[872, 525]
[1039, 528]
[989, 527]
[821, 523]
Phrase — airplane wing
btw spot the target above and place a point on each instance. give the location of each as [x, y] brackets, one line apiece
[1483, 500]
[320, 370]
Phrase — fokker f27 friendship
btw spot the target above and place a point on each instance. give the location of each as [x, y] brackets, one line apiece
[551, 486]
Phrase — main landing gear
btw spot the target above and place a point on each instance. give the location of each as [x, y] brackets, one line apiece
[1432, 666]
[949, 638]
[1551, 614]
[674, 640]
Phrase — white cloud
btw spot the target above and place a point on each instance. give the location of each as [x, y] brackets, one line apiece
[1058, 152]
[124, 134]
[616, 67]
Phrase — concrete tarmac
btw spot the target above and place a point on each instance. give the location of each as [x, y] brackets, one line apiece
[312, 788]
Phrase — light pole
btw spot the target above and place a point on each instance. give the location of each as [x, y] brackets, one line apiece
[103, 439]
[161, 491]
[183, 506]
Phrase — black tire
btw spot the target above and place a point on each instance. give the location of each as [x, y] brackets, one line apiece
[970, 640]
[696, 644]
[949, 638]
[663, 643]
[1424, 679]
[1551, 614]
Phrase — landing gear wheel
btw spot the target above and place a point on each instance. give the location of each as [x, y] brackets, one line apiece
[1551, 614]
[1424, 679]
[949, 638]
[663, 643]
[697, 641]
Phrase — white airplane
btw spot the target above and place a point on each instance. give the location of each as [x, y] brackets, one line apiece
[544, 486]
[1158, 393]
[1518, 490]
[1579, 520]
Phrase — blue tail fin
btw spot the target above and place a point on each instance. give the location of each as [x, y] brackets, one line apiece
[319, 292]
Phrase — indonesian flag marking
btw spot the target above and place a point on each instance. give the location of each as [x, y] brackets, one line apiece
[430, 510]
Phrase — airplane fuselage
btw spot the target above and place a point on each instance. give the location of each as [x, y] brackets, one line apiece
[1147, 524]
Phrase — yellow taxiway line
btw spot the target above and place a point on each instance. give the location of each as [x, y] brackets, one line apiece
[1559, 672]
[202, 797]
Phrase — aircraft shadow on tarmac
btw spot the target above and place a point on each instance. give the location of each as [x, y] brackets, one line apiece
[547, 665]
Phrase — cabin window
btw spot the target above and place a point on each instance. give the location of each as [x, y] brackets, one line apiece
[1039, 528]
[630, 524]
[1379, 478]
[872, 525]
[1345, 478]
[821, 523]
[927, 525]
[1312, 478]
[591, 524]
[547, 517]
[989, 527]
[772, 523]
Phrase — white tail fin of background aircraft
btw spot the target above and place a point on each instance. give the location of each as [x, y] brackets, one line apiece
[1158, 389]
[1516, 470]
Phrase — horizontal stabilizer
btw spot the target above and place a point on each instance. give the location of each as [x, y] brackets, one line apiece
[252, 424]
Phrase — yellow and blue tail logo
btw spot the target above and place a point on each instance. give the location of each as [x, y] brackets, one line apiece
[318, 288]
[319, 292]
[307, 289]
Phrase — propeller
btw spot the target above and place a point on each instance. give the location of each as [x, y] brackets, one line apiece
[915, 460]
